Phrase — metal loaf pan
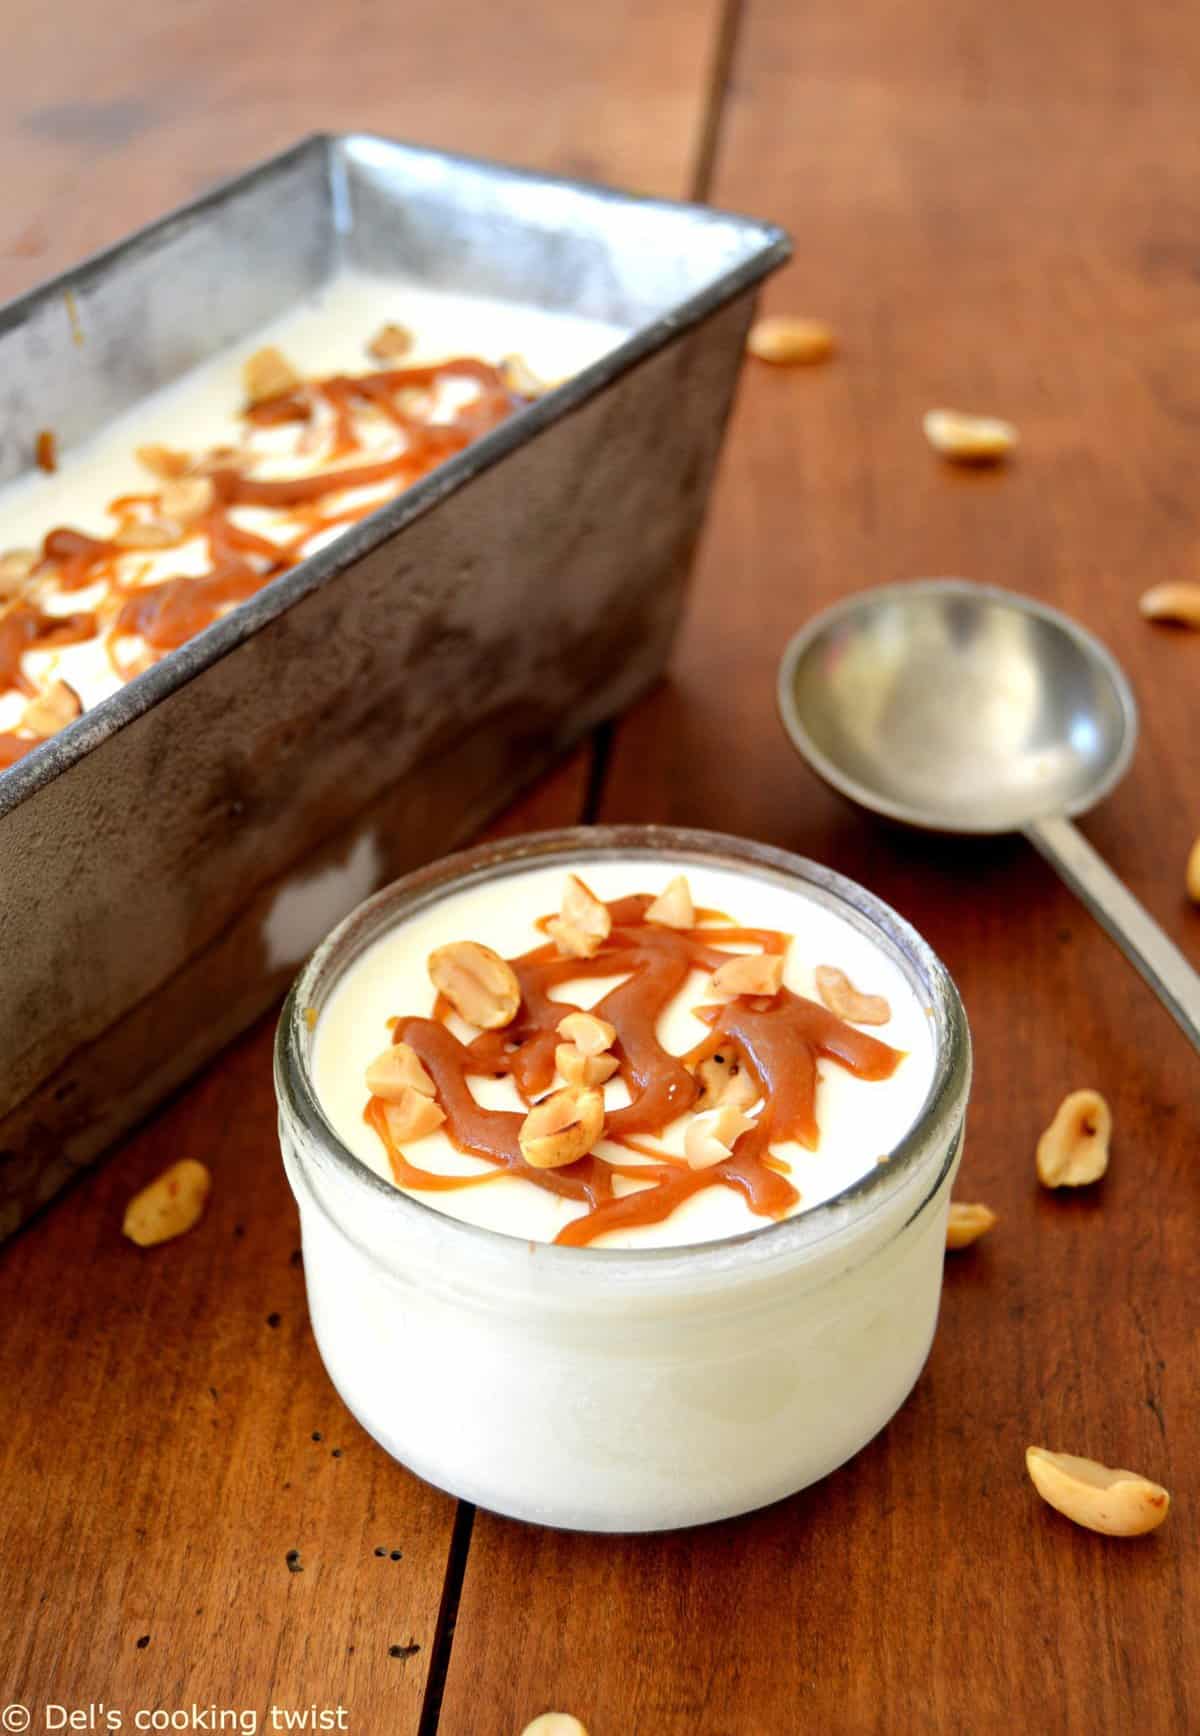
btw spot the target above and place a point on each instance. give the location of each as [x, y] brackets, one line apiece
[169, 858]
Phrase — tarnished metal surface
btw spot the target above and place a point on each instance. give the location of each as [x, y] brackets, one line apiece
[162, 859]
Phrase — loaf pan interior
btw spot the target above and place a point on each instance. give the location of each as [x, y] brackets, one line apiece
[92, 344]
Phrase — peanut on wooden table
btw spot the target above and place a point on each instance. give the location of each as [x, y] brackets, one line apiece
[1117, 1503]
[1073, 1151]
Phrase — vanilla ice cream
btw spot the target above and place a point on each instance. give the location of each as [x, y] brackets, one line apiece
[94, 613]
[860, 1120]
[684, 1369]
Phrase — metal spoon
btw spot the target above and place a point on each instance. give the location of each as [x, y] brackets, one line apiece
[960, 708]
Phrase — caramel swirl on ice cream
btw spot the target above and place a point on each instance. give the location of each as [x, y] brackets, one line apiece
[773, 1040]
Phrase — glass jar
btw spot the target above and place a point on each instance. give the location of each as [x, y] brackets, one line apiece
[623, 1390]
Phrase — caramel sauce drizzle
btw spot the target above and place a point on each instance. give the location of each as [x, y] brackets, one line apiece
[779, 1039]
[160, 617]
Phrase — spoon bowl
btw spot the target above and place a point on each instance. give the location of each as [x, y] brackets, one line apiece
[956, 707]
[960, 708]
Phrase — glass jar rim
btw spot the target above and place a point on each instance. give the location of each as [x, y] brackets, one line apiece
[941, 1111]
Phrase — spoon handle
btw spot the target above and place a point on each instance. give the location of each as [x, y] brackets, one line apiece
[1115, 908]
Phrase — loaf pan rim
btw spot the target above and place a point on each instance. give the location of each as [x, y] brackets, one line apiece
[768, 247]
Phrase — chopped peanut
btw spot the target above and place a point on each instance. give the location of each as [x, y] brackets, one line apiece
[841, 997]
[711, 1137]
[520, 378]
[969, 439]
[217, 458]
[1073, 1150]
[1115, 1503]
[790, 342]
[411, 1115]
[397, 1070]
[188, 498]
[1192, 873]
[754, 973]
[724, 1080]
[390, 342]
[16, 568]
[673, 907]
[164, 461]
[580, 1069]
[146, 533]
[583, 923]
[967, 1223]
[268, 374]
[478, 983]
[1178, 602]
[45, 450]
[590, 1034]
[562, 1128]
[169, 1205]
[52, 710]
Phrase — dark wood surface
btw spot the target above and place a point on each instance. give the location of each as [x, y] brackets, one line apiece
[161, 1455]
[995, 211]
[111, 119]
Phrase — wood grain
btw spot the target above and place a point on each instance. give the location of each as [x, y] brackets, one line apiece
[158, 1460]
[105, 124]
[176, 1438]
[997, 216]
[171, 1437]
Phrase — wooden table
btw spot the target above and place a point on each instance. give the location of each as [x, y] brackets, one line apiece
[995, 209]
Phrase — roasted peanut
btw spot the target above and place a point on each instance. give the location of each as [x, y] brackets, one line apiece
[187, 498]
[217, 458]
[571, 942]
[146, 533]
[580, 1069]
[841, 997]
[52, 710]
[1116, 1503]
[711, 1137]
[164, 461]
[967, 1223]
[555, 1724]
[1073, 1150]
[1192, 874]
[790, 342]
[562, 1128]
[478, 983]
[268, 374]
[723, 1079]
[673, 907]
[520, 378]
[590, 1034]
[169, 1205]
[753, 973]
[16, 567]
[583, 922]
[411, 1115]
[969, 439]
[389, 342]
[1178, 602]
[397, 1070]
